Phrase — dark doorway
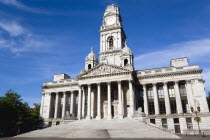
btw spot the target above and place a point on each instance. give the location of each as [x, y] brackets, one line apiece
[89, 66]
[152, 121]
[112, 111]
[177, 125]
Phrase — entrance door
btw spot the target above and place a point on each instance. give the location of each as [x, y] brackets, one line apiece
[177, 128]
[177, 125]
[112, 111]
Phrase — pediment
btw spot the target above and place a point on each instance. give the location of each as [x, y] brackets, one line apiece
[104, 69]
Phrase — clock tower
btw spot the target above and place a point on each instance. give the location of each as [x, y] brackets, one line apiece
[113, 39]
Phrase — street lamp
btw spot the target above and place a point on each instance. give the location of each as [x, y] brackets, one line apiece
[197, 118]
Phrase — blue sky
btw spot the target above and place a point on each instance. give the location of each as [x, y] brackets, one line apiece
[40, 38]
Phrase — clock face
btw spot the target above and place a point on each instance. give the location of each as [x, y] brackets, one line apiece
[110, 20]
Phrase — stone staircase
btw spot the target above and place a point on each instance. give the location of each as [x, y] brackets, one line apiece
[116, 128]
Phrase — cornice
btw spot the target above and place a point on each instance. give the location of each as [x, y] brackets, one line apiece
[148, 76]
[105, 75]
[59, 85]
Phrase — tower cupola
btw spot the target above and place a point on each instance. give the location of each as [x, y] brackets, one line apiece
[91, 60]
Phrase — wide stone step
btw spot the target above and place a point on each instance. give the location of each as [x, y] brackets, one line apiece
[125, 128]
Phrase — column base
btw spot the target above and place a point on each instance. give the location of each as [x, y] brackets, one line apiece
[88, 118]
[98, 117]
[120, 117]
[109, 117]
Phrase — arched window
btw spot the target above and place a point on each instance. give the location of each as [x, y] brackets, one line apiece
[111, 42]
[125, 62]
[89, 66]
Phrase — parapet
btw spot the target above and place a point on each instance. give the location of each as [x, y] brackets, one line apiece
[180, 62]
[58, 77]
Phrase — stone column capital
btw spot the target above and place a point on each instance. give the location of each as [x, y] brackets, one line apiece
[108, 82]
[144, 85]
[89, 85]
[130, 81]
[188, 81]
[154, 84]
[176, 81]
[98, 84]
[119, 81]
[165, 82]
[201, 80]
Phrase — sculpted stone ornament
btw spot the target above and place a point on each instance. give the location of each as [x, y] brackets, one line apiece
[139, 115]
[69, 116]
[104, 69]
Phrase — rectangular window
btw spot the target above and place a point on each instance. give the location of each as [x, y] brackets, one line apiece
[171, 91]
[173, 106]
[182, 90]
[164, 123]
[69, 99]
[184, 105]
[189, 123]
[162, 107]
[150, 93]
[77, 98]
[176, 120]
[160, 92]
[151, 108]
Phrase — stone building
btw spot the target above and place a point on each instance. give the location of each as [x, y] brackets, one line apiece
[111, 88]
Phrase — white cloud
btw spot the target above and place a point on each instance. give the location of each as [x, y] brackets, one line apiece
[13, 28]
[21, 6]
[194, 50]
[206, 76]
[20, 39]
[197, 51]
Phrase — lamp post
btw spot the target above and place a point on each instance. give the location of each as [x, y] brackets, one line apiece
[197, 118]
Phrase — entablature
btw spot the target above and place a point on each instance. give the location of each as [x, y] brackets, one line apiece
[168, 71]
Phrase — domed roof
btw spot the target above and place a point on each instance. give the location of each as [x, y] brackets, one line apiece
[126, 49]
[91, 55]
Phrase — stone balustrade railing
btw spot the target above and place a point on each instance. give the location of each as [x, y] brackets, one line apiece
[66, 81]
[166, 70]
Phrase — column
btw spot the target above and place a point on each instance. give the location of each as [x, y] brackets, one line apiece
[167, 99]
[88, 108]
[190, 95]
[83, 102]
[109, 101]
[72, 103]
[42, 104]
[120, 107]
[98, 101]
[131, 98]
[49, 101]
[64, 105]
[145, 100]
[92, 102]
[56, 105]
[178, 97]
[79, 103]
[156, 102]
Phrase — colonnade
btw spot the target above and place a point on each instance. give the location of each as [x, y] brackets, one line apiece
[178, 99]
[81, 101]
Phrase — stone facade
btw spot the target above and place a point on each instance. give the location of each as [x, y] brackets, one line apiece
[111, 88]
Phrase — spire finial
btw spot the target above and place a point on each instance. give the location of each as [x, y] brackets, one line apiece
[92, 50]
[126, 44]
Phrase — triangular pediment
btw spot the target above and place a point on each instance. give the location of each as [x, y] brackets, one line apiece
[103, 69]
